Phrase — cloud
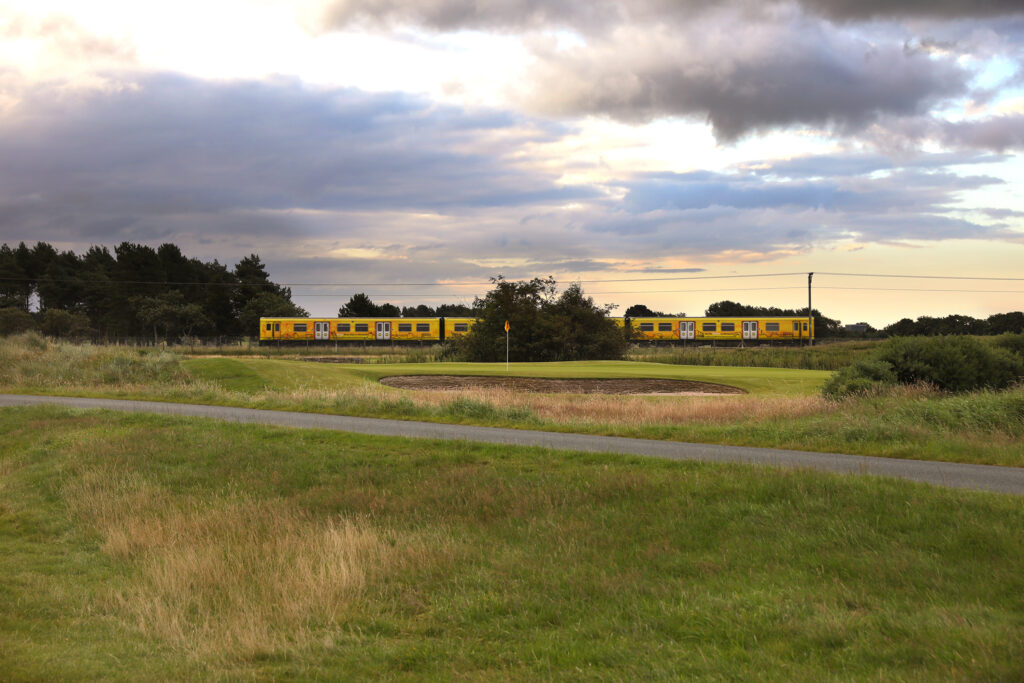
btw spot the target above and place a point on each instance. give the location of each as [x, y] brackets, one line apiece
[164, 149]
[993, 133]
[763, 216]
[590, 16]
[743, 77]
[394, 187]
[65, 37]
[744, 66]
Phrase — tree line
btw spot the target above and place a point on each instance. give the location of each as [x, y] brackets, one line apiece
[135, 291]
[361, 306]
[999, 323]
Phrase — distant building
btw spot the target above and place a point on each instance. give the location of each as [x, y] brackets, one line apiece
[858, 328]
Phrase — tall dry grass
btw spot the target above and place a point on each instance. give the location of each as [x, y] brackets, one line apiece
[557, 408]
[30, 360]
[231, 576]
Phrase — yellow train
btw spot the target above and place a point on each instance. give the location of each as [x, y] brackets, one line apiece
[750, 328]
[277, 330]
[674, 329]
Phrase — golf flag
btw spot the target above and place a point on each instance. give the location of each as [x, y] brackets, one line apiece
[506, 326]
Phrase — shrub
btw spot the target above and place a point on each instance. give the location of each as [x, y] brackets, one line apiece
[1014, 343]
[863, 376]
[14, 320]
[952, 363]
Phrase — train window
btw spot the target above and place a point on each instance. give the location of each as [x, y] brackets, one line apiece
[344, 327]
[664, 327]
[277, 327]
[270, 326]
[728, 327]
[461, 327]
[423, 327]
[647, 327]
[709, 327]
[405, 327]
[362, 327]
[805, 327]
[300, 327]
[771, 327]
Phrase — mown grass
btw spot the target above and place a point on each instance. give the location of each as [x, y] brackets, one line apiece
[287, 374]
[981, 427]
[150, 547]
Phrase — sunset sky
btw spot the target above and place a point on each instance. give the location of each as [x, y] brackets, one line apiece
[645, 148]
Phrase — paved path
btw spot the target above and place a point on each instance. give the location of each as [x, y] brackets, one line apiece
[979, 477]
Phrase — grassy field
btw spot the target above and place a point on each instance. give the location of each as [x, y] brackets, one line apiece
[149, 547]
[982, 427]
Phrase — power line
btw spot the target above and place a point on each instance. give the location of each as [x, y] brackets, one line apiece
[903, 289]
[925, 277]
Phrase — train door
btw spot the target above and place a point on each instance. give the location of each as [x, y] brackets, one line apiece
[750, 329]
[322, 331]
[384, 330]
[686, 329]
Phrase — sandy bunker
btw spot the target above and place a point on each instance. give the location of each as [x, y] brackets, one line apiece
[561, 386]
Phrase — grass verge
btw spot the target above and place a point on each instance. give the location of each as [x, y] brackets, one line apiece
[155, 547]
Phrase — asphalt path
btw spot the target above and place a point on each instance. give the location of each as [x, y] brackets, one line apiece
[956, 475]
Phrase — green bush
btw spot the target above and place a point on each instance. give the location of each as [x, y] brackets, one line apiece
[14, 320]
[951, 363]
[1014, 343]
[863, 376]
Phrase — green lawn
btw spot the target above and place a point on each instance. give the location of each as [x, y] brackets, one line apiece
[288, 374]
[150, 547]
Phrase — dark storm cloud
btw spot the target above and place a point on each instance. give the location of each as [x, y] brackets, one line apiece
[757, 76]
[132, 161]
[743, 66]
[598, 15]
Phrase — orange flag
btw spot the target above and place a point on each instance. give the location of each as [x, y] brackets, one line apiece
[506, 327]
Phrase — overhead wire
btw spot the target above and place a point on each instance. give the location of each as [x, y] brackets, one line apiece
[464, 295]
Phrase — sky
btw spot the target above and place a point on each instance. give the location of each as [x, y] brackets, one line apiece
[666, 152]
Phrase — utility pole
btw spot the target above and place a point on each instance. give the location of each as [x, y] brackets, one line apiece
[810, 316]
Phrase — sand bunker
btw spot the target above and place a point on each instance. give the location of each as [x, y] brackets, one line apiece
[562, 386]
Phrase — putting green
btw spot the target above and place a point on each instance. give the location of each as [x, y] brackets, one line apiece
[252, 374]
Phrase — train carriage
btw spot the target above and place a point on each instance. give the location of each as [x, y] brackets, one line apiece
[367, 330]
[751, 328]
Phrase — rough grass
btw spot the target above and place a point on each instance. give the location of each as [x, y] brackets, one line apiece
[231, 576]
[354, 353]
[149, 547]
[826, 356]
